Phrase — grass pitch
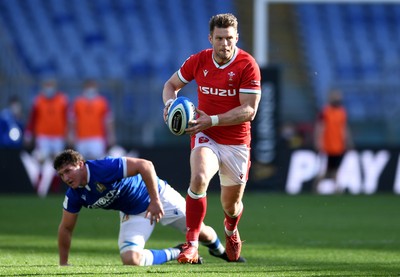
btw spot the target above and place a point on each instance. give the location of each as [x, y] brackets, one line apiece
[304, 235]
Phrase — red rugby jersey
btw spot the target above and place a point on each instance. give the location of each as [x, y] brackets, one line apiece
[218, 89]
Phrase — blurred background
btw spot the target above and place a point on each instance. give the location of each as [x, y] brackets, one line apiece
[131, 47]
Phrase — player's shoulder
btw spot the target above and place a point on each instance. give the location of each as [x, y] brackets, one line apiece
[202, 55]
[73, 194]
[105, 162]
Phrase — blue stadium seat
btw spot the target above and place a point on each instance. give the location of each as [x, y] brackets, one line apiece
[71, 37]
[360, 44]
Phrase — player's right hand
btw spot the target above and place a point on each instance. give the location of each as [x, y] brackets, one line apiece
[154, 211]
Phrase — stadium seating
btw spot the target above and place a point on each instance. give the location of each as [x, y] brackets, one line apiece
[354, 46]
[107, 39]
[131, 46]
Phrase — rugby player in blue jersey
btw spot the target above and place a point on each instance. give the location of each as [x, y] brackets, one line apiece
[131, 186]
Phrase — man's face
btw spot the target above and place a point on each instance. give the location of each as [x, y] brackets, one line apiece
[73, 174]
[223, 41]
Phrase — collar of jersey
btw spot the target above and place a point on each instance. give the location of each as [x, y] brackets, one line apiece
[88, 177]
[225, 64]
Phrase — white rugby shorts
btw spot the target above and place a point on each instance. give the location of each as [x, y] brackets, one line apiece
[48, 147]
[92, 148]
[234, 160]
[135, 230]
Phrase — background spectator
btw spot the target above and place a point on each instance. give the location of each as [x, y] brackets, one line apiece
[332, 139]
[46, 132]
[11, 124]
[92, 122]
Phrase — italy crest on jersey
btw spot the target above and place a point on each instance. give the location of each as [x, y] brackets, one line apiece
[100, 187]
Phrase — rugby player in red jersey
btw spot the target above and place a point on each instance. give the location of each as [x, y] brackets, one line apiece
[229, 92]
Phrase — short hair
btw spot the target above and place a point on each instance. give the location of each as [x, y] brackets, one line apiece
[68, 156]
[223, 20]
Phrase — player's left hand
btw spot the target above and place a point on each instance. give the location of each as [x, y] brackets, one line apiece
[165, 111]
[202, 122]
[154, 211]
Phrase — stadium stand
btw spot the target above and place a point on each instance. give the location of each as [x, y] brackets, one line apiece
[107, 39]
[131, 46]
[355, 47]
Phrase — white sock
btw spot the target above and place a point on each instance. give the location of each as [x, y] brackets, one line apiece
[195, 243]
[147, 258]
[230, 233]
[172, 253]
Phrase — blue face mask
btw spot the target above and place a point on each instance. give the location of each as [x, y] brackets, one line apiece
[90, 93]
[49, 92]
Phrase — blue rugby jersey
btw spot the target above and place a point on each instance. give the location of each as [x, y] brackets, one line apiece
[109, 188]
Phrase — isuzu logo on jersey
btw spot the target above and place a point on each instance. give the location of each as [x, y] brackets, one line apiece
[218, 91]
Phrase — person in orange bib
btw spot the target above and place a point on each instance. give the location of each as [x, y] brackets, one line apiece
[92, 123]
[332, 140]
[47, 130]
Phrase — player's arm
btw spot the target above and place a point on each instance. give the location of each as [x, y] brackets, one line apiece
[170, 91]
[65, 231]
[29, 133]
[245, 112]
[146, 169]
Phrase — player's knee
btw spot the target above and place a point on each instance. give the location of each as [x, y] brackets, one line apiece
[232, 208]
[199, 183]
[131, 258]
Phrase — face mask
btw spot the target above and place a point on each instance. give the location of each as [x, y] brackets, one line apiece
[16, 109]
[49, 92]
[90, 93]
[336, 103]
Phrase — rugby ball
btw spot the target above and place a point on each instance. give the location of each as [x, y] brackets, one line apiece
[181, 111]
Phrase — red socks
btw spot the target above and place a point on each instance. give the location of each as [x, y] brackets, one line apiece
[231, 223]
[195, 212]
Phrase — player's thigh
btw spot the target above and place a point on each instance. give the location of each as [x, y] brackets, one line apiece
[235, 164]
[43, 147]
[97, 148]
[57, 145]
[134, 231]
[204, 164]
[174, 206]
[91, 148]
